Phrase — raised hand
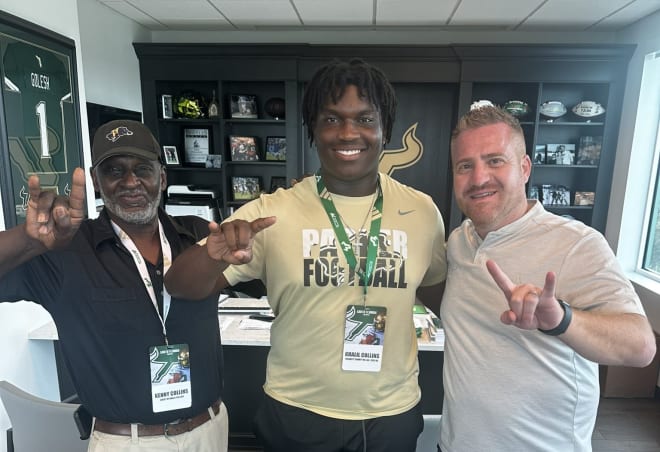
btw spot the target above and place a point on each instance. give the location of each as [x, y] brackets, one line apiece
[53, 220]
[232, 241]
[530, 307]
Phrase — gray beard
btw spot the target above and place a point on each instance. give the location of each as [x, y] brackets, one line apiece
[144, 216]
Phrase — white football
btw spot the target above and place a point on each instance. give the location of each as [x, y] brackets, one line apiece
[552, 109]
[588, 109]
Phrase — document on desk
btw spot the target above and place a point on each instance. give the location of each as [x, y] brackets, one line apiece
[253, 324]
[243, 305]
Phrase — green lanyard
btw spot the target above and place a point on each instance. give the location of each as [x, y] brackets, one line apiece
[340, 231]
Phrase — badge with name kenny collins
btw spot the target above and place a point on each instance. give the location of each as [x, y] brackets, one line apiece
[170, 377]
[364, 337]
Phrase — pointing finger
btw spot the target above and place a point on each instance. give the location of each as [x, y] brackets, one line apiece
[500, 278]
[260, 224]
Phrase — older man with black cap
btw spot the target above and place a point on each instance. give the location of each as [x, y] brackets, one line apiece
[147, 366]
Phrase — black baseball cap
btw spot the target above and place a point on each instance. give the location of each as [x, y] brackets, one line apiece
[124, 137]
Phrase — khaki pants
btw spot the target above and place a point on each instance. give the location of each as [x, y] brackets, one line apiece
[212, 436]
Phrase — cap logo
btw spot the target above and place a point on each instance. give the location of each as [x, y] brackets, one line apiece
[117, 133]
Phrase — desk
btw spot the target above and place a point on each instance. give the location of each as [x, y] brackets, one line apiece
[245, 354]
[246, 351]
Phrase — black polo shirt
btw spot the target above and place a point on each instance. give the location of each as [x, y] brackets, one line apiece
[106, 321]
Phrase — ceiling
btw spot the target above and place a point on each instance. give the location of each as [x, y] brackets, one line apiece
[446, 15]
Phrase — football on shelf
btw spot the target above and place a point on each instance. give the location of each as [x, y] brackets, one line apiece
[517, 108]
[552, 109]
[588, 109]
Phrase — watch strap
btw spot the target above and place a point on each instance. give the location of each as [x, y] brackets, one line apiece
[565, 321]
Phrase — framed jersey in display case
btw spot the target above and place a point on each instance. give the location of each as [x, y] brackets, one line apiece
[40, 117]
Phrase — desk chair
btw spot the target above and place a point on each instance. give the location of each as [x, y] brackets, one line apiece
[430, 437]
[39, 424]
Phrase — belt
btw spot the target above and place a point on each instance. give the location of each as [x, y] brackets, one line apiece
[171, 429]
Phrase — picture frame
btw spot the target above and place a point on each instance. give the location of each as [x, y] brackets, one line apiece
[171, 156]
[166, 109]
[539, 155]
[584, 198]
[214, 161]
[245, 188]
[555, 195]
[46, 140]
[560, 154]
[243, 106]
[276, 148]
[196, 145]
[277, 182]
[243, 148]
[589, 148]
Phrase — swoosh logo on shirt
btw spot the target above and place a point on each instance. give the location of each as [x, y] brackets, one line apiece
[405, 212]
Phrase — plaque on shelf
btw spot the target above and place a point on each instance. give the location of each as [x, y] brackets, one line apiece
[589, 149]
[196, 145]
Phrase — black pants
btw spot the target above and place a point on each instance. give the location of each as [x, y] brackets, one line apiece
[285, 428]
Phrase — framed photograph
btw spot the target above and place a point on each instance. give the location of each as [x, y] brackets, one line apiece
[196, 145]
[166, 106]
[276, 148]
[243, 149]
[539, 155]
[584, 198]
[277, 182]
[589, 149]
[560, 154]
[41, 126]
[214, 161]
[555, 195]
[534, 192]
[245, 188]
[171, 156]
[243, 106]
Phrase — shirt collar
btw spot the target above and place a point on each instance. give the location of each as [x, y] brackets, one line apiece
[102, 229]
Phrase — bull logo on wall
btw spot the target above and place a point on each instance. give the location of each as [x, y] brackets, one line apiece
[396, 159]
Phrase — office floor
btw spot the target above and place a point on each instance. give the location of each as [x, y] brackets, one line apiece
[622, 425]
[627, 425]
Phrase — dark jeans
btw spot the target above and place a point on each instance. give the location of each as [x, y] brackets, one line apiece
[285, 428]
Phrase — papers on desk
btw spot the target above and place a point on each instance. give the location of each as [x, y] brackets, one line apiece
[243, 305]
[252, 324]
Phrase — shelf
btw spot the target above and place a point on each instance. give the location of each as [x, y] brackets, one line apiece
[199, 121]
[571, 123]
[556, 207]
[539, 165]
[254, 121]
[257, 162]
[192, 168]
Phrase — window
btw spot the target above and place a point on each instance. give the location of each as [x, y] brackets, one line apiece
[651, 254]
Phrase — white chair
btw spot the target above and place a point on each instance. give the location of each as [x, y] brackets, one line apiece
[38, 424]
[430, 437]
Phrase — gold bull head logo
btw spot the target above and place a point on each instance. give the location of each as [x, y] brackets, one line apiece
[395, 159]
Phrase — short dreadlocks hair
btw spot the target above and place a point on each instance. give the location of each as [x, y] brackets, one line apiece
[329, 84]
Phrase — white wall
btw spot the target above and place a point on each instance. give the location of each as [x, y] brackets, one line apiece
[110, 77]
